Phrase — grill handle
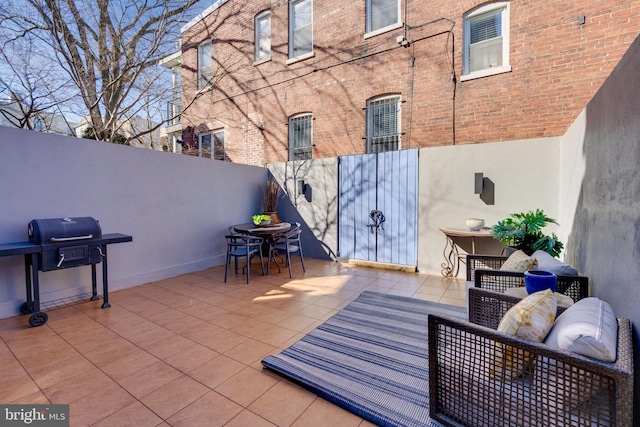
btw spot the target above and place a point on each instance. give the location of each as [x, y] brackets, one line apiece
[70, 239]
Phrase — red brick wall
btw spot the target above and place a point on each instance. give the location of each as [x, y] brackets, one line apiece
[557, 66]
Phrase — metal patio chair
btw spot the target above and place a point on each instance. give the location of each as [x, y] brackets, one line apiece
[240, 245]
[287, 243]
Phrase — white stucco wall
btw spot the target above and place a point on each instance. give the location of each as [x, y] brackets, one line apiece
[177, 208]
[525, 175]
[319, 214]
[572, 169]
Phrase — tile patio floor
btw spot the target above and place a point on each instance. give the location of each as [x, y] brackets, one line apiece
[186, 351]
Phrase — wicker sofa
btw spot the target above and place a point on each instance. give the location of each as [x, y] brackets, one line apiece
[559, 387]
[483, 271]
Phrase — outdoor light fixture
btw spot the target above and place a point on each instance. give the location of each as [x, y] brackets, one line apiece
[304, 189]
[484, 187]
[479, 182]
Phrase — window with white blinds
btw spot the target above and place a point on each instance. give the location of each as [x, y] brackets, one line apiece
[486, 40]
[382, 13]
[383, 124]
[205, 65]
[301, 137]
[300, 28]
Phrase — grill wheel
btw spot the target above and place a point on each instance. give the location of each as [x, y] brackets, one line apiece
[38, 318]
[26, 308]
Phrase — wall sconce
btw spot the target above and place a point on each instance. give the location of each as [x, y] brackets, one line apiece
[478, 183]
[304, 189]
[485, 188]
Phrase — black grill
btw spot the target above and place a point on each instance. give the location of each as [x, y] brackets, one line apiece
[57, 243]
[66, 242]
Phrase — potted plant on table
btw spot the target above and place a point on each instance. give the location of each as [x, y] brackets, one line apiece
[261, 219]
[523, 231]
[271, 193]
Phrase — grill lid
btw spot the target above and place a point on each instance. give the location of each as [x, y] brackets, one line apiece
[55, 231]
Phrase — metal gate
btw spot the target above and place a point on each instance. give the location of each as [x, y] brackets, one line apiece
[378, 207]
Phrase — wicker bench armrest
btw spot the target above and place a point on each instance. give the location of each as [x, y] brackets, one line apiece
[491, 262]
[576, 287]
[486, 307]
[463, 392]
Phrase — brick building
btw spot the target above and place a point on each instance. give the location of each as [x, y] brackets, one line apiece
[274, 80]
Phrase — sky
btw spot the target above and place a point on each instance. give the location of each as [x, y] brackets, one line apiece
[117, 5]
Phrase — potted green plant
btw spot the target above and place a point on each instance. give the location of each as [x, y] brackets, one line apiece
[271, 193]
[261, 219]
[523, 231]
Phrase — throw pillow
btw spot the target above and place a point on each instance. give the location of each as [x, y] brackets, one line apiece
[530, 319]
[589, 327]
[518, 262]
[553, 265]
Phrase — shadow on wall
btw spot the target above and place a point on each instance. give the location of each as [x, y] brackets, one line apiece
[605, 239]
[311, 245]
[319, 214]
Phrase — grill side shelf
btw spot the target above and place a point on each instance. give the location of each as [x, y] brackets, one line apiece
[110, 238]
[19, 248]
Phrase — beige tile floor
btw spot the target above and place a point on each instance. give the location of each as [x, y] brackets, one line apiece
[186, 351]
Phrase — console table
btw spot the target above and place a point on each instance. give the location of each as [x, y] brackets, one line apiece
[462, 241]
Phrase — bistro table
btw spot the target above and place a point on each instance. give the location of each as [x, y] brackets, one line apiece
[268, 232]
[463, 241]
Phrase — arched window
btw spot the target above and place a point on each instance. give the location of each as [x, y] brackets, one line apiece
[301, 137]
[486, 41]
[383, 123]
[263, 36]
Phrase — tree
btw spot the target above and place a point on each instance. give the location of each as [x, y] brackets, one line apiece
[27, 90]
[109, 49]
[89, 133]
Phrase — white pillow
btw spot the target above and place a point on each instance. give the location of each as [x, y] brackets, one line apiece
[553, 265]
[589, 328]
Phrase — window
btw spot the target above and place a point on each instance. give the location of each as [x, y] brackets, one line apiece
[382, 14]
[38, 124]
[205, 68]
[205, 148]
[301, 137]
[383, 124]
[263, 36]
[300, 28]
[486, 41]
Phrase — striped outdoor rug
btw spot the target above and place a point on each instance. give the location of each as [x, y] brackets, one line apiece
[370, 359]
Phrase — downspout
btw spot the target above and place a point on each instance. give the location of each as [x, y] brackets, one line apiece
[454, 80]
[406, 33]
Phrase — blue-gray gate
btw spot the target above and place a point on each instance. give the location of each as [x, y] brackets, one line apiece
[378, 207]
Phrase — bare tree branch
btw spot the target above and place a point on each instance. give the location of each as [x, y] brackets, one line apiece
[109, 49]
